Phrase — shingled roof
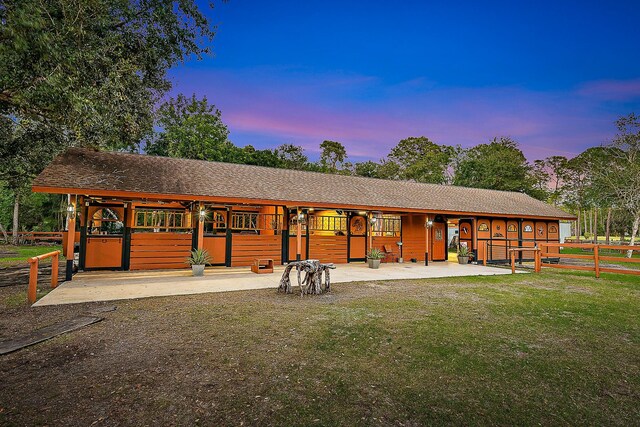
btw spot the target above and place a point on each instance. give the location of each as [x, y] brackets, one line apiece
[83, 171]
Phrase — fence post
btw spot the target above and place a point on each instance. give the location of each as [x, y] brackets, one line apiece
[513, 262]
[536, 260]
[596, 260]
[33, 280]
[54, 269]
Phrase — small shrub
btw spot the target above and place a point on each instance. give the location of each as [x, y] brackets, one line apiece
[375, 253]
[199, 257]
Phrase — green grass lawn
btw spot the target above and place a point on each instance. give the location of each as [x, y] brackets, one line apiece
[553, 348]
[23, 253]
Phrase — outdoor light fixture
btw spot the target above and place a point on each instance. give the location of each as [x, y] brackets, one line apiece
[301, 216]
[71, 208]
[203, 213]
[428, 224]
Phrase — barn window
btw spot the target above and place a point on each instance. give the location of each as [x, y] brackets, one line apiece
[215, 222]
[248, 222]
[386, 226]
[553, 229]
[161, 219]
[336, 223]
[105, 221]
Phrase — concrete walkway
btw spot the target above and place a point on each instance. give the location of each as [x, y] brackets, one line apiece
[107, 286]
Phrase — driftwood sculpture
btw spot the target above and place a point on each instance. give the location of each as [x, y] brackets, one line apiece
[312, 282]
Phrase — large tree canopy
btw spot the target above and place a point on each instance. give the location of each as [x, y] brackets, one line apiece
[420, 159]
[93, 69]
[192, 129]
[498, 165]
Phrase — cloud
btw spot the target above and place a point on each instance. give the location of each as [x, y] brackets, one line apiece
[612, 90]
[268, 107]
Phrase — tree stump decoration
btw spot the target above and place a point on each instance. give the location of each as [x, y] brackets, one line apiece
[312, 282]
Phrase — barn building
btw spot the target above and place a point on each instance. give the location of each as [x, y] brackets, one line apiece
[139, 212]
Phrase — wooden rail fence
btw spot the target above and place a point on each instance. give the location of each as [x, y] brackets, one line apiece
[33, 273]
[595, 256]
[31, 237]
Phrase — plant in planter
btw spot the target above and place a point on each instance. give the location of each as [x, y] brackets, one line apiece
[463, 255]
[374, 256]
[198, 259]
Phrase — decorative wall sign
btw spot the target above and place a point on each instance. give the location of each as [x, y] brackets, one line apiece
[358, 226]
[553, 229]
[483, 226]
[528, 228]
[511, 228]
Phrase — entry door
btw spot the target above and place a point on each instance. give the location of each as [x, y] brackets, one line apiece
[439, 241]
[357, 238]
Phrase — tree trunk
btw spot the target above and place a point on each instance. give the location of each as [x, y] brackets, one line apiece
[607, 230]
[4, 233]
[634, 233]
[584, 217]
[595, 225]
[578, 224]
[16, 223]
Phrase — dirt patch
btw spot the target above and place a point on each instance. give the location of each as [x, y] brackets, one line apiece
[376, 353]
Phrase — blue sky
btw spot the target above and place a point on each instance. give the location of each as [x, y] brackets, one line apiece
[552, 75]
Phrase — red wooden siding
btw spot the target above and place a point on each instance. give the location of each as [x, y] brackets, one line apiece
[389, 243]
[151, 251]
[246, 248]
[328, 248]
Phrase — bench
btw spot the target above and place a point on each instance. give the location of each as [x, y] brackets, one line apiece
[389, 254]
[262, 266]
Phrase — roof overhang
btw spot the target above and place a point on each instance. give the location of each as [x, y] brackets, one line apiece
[130, 195]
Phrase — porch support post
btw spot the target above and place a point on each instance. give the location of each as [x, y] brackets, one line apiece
[71, 234]
[474, 234]
[370, 228]
[298, 236]
[201, 218]
[427, 231]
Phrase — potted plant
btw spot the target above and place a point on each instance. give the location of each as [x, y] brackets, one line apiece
[463, 255]
[374, 256]
[198, 259]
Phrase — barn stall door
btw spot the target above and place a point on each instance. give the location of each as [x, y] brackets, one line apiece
[439, 241]
[328, 237]
[357, 238]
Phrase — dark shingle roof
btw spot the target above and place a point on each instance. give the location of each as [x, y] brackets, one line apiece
[91, 172]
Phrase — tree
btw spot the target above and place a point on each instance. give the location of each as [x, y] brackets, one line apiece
[332, 156]
[25, 147]
[292, 157]
[422, 160]
[193, 129]
[618, 173]
[93, 70]
[498, 165]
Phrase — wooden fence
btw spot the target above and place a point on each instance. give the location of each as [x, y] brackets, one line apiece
[32, 237]
[34, 263]
[595, 256]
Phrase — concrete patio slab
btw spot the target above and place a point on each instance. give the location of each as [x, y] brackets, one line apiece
[108, 286]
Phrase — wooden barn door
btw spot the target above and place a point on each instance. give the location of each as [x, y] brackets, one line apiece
[439, 241]
[357, 238]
